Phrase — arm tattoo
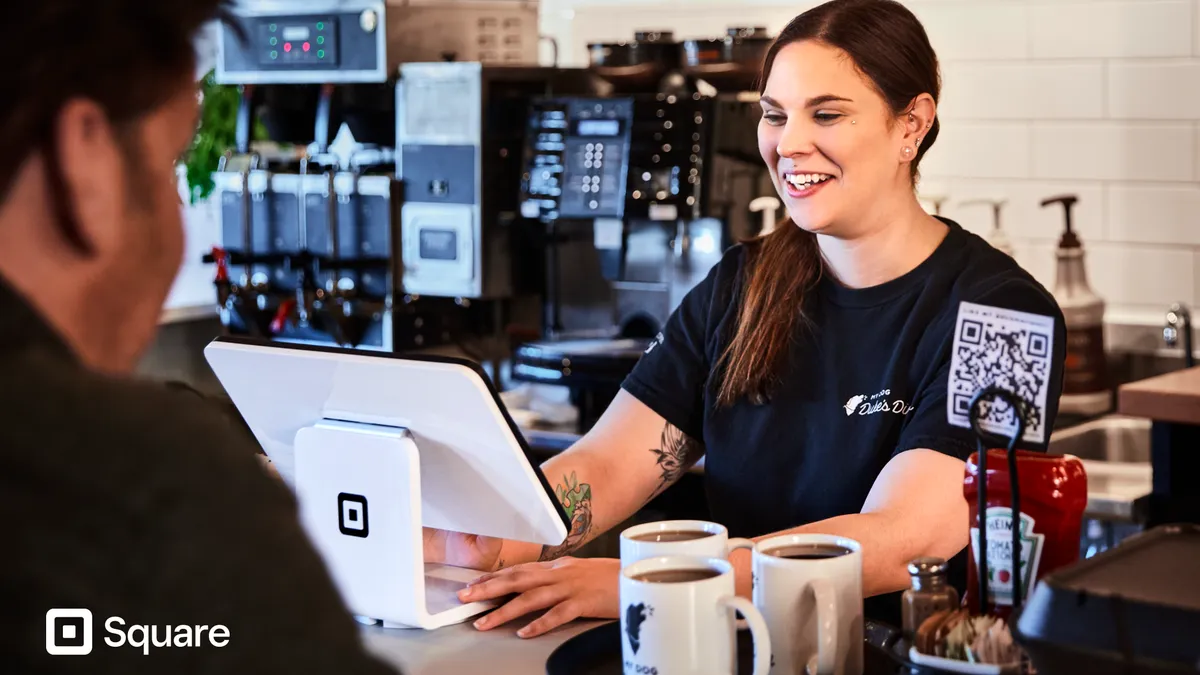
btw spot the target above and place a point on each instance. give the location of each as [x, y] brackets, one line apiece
[576, 500]
[677, 454]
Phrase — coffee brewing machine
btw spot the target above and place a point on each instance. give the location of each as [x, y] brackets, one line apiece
[380, 214]
[641, 191]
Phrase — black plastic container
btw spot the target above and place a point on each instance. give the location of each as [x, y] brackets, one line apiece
[637, 65]
[731, 63]
[1132, 610]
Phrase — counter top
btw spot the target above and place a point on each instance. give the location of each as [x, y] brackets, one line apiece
[462, 649]
[1173, 397]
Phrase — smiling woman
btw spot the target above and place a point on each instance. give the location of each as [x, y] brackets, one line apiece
[812, 368]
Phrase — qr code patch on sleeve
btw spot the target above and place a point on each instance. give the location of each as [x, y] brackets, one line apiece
[1007, 349]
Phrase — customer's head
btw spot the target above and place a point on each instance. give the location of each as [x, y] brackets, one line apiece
[100, 102]
[850, 93]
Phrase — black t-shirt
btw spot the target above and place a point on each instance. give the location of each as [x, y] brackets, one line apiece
[132, 500]
[866, 381]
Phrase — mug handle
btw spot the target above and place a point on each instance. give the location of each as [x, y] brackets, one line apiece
[758, 631]
[827, 629]
[731, 546]
[735, 544]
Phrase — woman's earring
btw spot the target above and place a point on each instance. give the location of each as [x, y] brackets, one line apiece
[853, 121]
[908, 151]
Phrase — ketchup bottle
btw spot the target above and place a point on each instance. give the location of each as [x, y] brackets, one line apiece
[1032, 507]
[1053, 494]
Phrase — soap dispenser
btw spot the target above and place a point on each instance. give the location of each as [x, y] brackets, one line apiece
[996, 237]
[1085, 374]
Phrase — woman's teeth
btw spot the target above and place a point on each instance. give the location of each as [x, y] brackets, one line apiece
[803, 181]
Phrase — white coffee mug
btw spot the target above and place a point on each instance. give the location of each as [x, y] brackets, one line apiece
[678, 618]
[813, 606]
[715, 542]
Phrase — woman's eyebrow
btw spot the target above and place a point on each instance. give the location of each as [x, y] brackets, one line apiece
[814, 101]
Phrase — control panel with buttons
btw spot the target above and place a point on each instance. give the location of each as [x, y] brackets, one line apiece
[302, 41]
[578, 159]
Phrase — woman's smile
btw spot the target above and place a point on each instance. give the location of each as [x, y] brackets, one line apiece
[802, 185]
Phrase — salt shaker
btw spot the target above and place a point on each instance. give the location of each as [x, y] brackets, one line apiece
[930, 593]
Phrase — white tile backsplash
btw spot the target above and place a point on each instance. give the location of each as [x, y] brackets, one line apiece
[975, 30]
[1134, 28]
[1114, 151]
[1154, 90]
[1022, 91]
[980, 150]
[1142, 276]
[1154, 214]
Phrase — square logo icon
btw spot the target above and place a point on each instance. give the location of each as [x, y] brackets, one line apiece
[352, 515]
[69, 632]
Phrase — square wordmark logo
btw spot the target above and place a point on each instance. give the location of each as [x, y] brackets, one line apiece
[352, 515]
[69, 632]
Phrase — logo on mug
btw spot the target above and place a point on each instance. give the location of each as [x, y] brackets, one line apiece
[352, 515]
[635, 616]
[68, 632]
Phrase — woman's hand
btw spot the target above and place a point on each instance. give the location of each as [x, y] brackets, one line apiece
[569, 587]
[461, 550]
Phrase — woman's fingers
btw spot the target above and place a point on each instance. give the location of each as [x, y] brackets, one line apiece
[529, 601]
[516, 579]
[562, 613]
[479, 580]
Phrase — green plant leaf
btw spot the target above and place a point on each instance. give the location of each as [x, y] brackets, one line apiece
[216, 134]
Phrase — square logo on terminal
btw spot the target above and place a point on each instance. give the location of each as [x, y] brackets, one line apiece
[353, 520]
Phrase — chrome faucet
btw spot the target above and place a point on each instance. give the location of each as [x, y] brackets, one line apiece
[1179, 320]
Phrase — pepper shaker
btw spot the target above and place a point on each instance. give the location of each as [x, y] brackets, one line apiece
[930, 593]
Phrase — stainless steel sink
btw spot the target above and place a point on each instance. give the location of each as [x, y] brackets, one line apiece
[1114, 438]
[1116, 455]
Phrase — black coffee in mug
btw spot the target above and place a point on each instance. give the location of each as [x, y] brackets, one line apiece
[671, 535]
[677, 576]
[810, 551]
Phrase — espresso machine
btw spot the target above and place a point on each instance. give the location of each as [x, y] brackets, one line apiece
[641, 191]
[379, 214]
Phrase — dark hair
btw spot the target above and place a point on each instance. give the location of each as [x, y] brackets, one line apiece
[889, 46]
[128, 56]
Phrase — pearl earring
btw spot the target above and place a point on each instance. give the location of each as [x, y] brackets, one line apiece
[907, 151]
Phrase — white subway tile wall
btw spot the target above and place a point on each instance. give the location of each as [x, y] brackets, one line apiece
[1097, 98]
[1101, 29]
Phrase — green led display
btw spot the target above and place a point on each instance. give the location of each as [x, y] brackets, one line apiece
[273, 28]
[320, 39]
[320, 53]
[274, 41]
[320, 26]
[274, 54]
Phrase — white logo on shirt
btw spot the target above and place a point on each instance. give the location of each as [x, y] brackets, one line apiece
[879, 403]
[656, 342]
[853, 403]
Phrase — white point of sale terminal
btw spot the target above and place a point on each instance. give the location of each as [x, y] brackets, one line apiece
[375, 446]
